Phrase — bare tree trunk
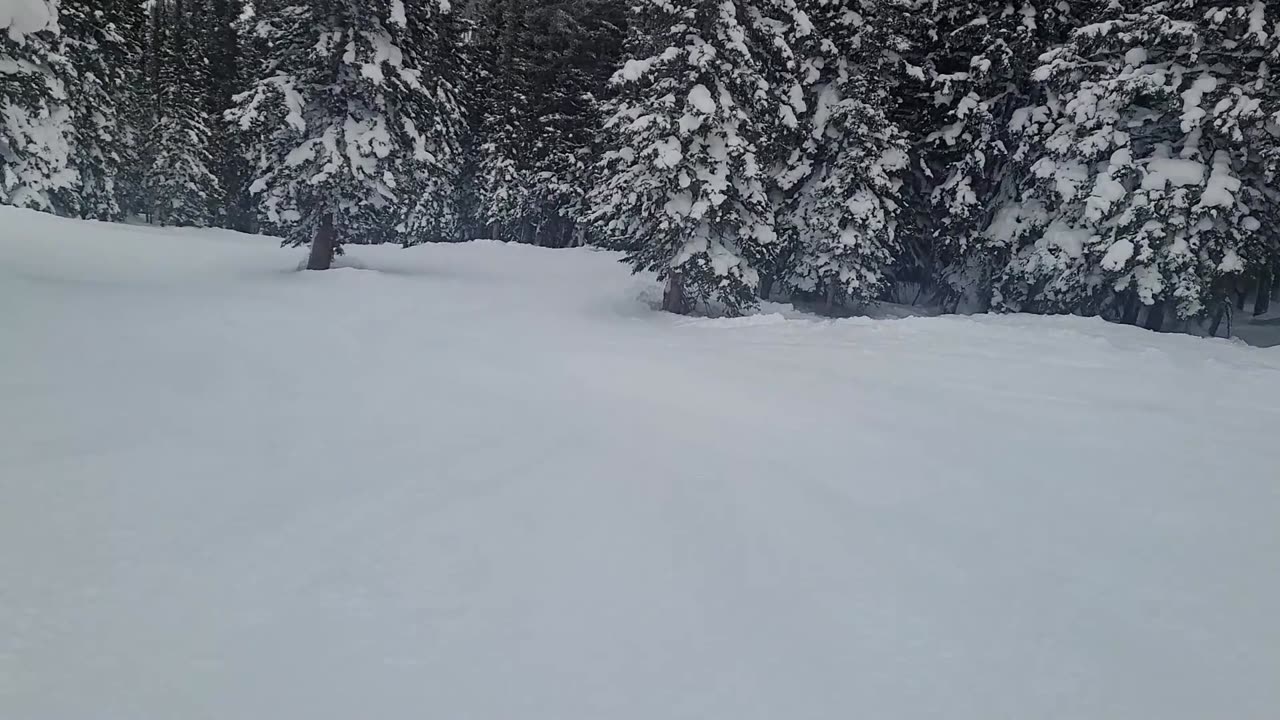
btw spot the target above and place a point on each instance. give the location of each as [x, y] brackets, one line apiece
[1132, 306]
[1217, 318]
[564, 233]
[766, 287]
[1155, 317]
[829, 305]
[323, 245]
[673, 298]
[1263, 302]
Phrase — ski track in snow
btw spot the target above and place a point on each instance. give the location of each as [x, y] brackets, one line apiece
[487, 481]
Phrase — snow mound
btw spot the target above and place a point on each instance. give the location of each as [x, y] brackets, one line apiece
[487, 481]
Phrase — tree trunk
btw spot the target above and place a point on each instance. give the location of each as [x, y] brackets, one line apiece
[323, 245]
[766, 287]
[1132, 306]
[1217, 318]
[1155, 317]
[1263, 302]
[673, 299]
[564, 233]
[829, 305]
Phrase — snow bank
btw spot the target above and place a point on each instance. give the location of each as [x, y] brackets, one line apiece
[486, 481]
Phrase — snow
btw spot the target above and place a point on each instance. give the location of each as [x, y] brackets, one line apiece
[1192, 97]
[1257, 20]
[25, 17]
[634, 69]
[828, 97]
[687, 123]
[491, 482]
[1175, 172]
[700, 99]
[1069, 239]
[1118, 255]
[1221, 189]
[679, 204]
[250, 111]
[1231, 262]
[667, 152]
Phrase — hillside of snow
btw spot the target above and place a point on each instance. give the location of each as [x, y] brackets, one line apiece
[490, 482]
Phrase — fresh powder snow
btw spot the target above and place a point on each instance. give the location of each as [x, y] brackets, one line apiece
[491, 482]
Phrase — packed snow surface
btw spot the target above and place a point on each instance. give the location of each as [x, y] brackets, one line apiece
[490, 482]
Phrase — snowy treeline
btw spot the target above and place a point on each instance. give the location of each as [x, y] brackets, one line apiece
[1112, 159]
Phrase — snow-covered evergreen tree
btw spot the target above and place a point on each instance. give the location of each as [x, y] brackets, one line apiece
[1152, 164]
[101, 40]
[36, 134]
[353, 125]
[226, 79]
[500, 140]
[543, 68]
[842, 179]
[181, 188]
[683, 186]
[979, 56]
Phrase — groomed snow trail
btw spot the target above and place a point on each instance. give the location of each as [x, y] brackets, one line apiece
[489, 482]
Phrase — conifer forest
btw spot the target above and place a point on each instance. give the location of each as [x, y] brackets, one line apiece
[1111, 159]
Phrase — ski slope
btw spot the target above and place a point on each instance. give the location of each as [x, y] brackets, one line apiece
[489, 482]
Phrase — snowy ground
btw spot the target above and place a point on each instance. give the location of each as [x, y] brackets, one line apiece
[488, 482]
[1262, 331]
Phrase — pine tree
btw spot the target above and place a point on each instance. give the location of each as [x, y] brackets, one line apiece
[683, 187]
[574, 45]
[1152, 169]
[226, 80]
[36, 133]
[353, 126]
[842, 179]
[502, 137]
[101, 40]
[543, 69]
[474, 82]
[180, 187]
[979, 57]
